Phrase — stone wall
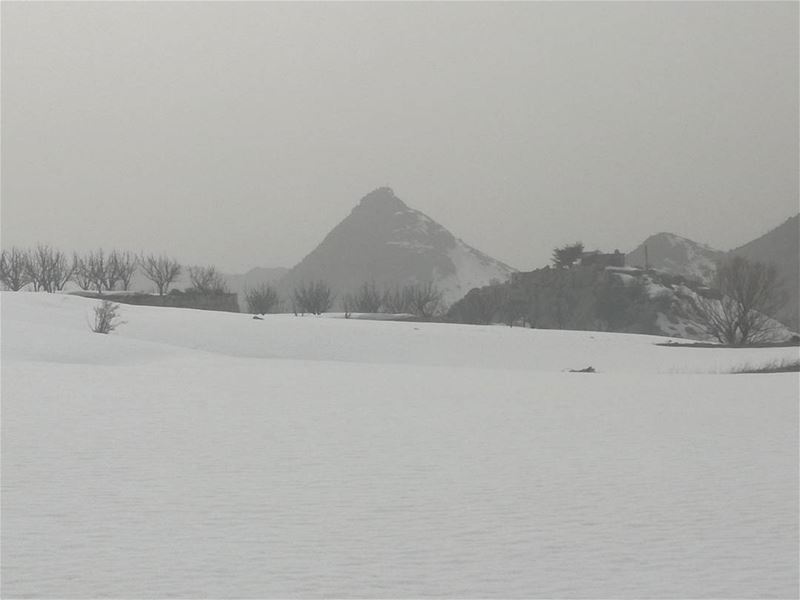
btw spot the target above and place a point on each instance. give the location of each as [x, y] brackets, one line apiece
[175, 299]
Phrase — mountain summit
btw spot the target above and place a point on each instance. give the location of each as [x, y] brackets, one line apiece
[779, 247]
[385, 241]
[676, 254]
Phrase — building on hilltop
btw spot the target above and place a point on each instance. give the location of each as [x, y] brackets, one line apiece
[599, 259]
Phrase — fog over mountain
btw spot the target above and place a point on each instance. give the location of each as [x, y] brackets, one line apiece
[239, 133]
[385, 241]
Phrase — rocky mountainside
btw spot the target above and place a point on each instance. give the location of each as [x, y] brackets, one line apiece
[385, 241]
[676, 255]
[681, 256]
[781, 247]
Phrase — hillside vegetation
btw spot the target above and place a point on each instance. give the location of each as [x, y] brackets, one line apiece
[627, 300]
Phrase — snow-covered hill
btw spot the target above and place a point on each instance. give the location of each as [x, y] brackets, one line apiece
[53, 328]
[202, 454]
[681, 256]
[677, 255]
[385, 241]
[675, 304]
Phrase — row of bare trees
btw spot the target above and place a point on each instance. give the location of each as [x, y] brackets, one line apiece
[99, 271]
[48, 269]
[316, 297]
[44, 268]
[421, 299]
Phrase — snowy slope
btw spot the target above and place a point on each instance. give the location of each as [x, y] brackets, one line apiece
[53, 328]
[676, 302]
[198, 454]
[681, 256]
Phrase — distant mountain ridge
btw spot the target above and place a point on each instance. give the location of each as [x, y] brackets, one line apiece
[682, 256]
[781, 247]
[385, 241]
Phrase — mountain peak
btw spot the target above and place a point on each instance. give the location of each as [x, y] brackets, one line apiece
[676, 254]
[382, 198]
[385, 241]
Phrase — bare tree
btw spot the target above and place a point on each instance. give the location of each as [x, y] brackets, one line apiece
[315, 297]
[394, 301]
[262, 299]
[92, 271]
[161, 270]
[122, 266]
[207, 280]
[347, 305]
[100, 271]
[747, 293]
[80, 272]
[367, 299]
[48, 268]
[14, 273]
[422, 299]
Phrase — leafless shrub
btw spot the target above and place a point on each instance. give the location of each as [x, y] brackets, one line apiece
[14, 273]
[106, 318]
[207, 280]
[315, 298]
[775, 366]
[161, 270]
[262, 299]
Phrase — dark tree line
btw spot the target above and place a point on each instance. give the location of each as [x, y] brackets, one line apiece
[548, 298]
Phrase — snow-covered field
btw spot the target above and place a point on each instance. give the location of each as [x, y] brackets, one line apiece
[198, 454]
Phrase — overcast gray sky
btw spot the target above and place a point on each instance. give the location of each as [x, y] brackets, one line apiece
[240, 133]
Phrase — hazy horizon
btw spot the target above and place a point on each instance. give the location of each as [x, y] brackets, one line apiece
[239, 134]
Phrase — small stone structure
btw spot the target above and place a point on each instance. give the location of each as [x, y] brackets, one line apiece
[175, 299]
[599, 259]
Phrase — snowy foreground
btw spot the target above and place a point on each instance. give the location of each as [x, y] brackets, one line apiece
[198, 454]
